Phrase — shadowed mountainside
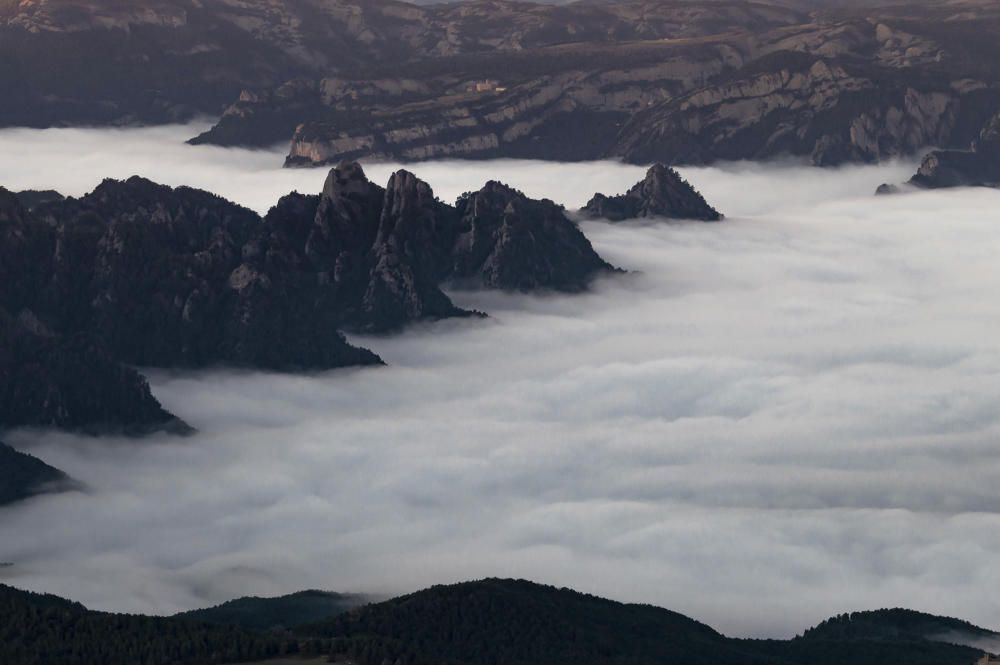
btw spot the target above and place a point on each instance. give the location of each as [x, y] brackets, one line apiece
[23, 476]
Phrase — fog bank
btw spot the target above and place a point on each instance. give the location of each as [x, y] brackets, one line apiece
[771, 420]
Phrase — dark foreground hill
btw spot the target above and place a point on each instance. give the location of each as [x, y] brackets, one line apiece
[40, 629]
[488, 622]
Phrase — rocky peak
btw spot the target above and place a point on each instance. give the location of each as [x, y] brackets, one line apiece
[414, 223]
[347, 216]
[509, 241]
[409, 255]
[410, 200]
[347, 180]
[493, 199]
[662, 193]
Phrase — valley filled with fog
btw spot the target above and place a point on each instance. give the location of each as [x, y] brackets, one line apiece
[768, 421]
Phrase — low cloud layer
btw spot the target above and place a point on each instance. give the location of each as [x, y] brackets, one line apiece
[771, 420]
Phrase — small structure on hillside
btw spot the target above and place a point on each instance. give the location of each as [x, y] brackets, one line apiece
[486, 85]
[987, 659]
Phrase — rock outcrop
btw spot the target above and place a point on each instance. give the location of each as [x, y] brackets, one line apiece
[23, 476]
[978, 166]
[139, 274]
[662, 193]
[506, 241]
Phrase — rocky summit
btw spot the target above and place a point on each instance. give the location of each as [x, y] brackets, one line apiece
[662, 193]
[140, 274]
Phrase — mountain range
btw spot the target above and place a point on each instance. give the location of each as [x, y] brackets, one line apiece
[639, 80]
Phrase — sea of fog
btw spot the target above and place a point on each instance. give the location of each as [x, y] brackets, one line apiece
[769, 421]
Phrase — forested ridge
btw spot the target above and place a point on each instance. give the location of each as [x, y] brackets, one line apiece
[45, 630]
[487, 622]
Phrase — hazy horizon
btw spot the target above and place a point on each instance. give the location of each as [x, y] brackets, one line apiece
[770, 421]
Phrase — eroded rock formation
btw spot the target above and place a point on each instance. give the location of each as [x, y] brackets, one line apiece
[978, 166]
[662, 193]
[139, 274]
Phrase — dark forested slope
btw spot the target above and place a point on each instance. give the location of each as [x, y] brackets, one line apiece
[295, 609]
[487, 622]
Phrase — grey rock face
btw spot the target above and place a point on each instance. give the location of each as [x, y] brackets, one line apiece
[508, 241]
[662, 193]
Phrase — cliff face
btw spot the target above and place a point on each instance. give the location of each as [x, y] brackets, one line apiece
[561, 103]
[91, 61]
[803, 106]
[662, 193]
[146, 275]
[978, 166]
[856, 85]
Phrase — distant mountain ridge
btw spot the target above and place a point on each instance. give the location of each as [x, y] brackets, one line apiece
[681, 82]
[734, 81]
